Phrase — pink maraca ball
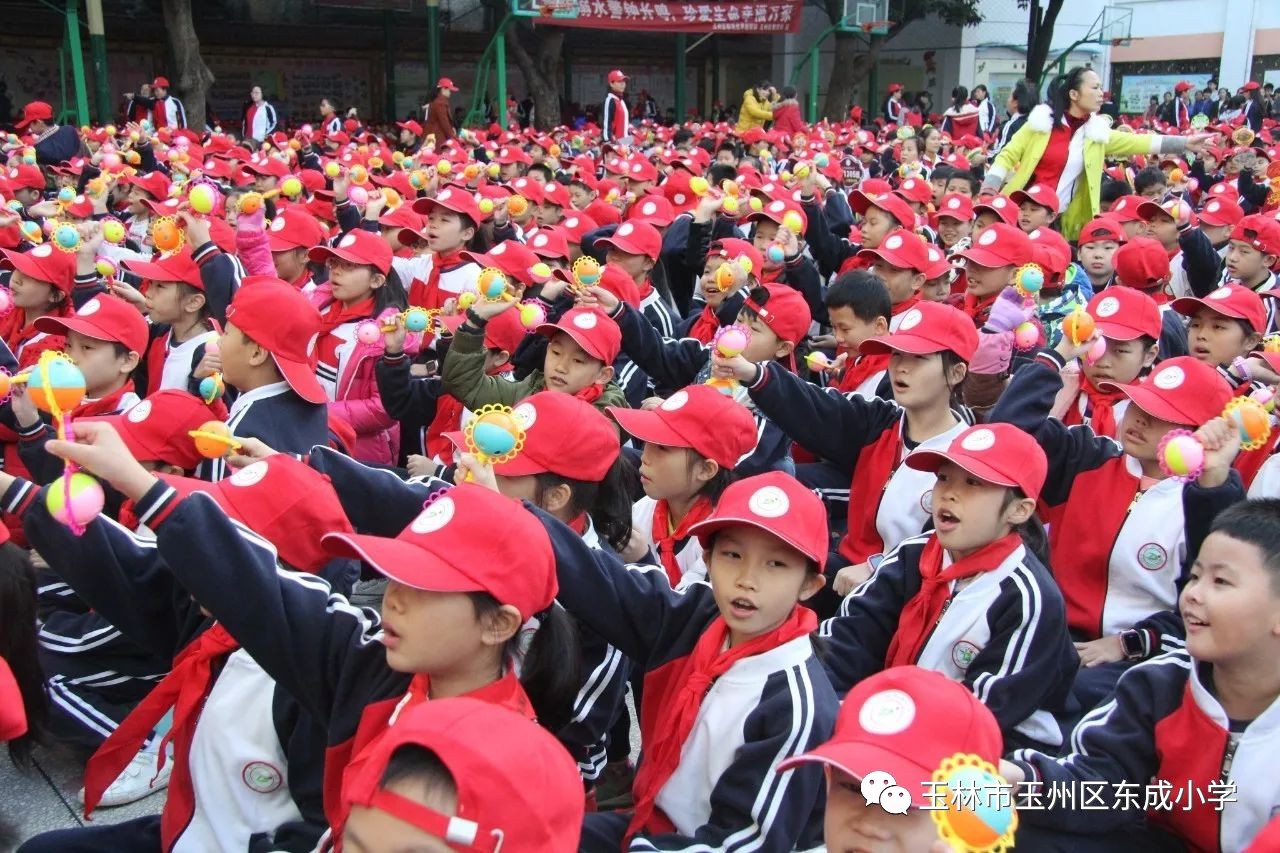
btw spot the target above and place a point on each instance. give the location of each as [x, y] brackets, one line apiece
[359, 196]
[731, 342]
[1096, 352]
[1182, 456]
[368, 332]
[76, 501]
[1026, 336]
[211, 348]
[6, 301]
[111, 161]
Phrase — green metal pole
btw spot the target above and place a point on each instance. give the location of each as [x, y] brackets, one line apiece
[814, 63]
[715, 71]
[500, 60]
[681, 41]
[433, 42]
[568, 80]
[98, 52]
[388, 52]
[77, 61]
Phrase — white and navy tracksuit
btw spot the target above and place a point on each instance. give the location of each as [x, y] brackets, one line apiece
[259, 121]
[1003, 635]
[726, 793]
[279, 417]
[256, 756]
[1163, 725]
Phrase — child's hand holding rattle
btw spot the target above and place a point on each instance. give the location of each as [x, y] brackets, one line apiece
[597, 295]
[393, 334]
[99, 450]
[733, 367]
[472, 470]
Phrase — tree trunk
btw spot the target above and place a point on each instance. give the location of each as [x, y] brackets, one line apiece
[541, 71]
[1040, 37]
[192, 79]
[853, 63]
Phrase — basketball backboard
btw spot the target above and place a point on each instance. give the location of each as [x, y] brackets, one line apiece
[544, 8]
[865, 16]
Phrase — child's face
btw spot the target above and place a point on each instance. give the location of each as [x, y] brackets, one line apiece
[164, 301]
[987, 281]
[902, 284]
[1122, 362]
[291, 263]
[431, 632]
[876, 225]
[757, 580]
[1246, 263]
[853, 825]
[937, 289]
[1095, 257]
[1164, 229]
[568, 368]
[959, 185]
[137, 195]
[952, 230]
[1216, 339]
[1155, 192]
[1032, 216]
[581, 196]
[984, 220]
[918, 380]
[764, 344]
[31, 293]
[353, 283]
[1140, 433]
[669, 472]
[370, 830]
[636, 266]
[850, 330]
[103, 370]
[238, 355]
[548, 214]
[1217, 234]
[1229, 604]
[711, 291]
[939, 187]
[510, 171]
[447, 231]
[763, 235]
[969, 513]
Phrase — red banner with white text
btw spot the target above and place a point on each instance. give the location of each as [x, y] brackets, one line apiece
[759, 18]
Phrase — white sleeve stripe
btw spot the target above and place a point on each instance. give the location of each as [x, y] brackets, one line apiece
[76, 707]
[595, 684]
[1019, 647]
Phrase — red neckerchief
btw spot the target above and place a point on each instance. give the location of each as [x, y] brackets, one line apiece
[578, 524]
[16, 331]
[159, 114]
[303, 280]
[108, 404]
[922, 612]
[331, 317]
[1102, 416]
[876, 463]
[854, 262]
[905, 305]
[183, 690]
[979, 309]
[677, 711]
[705, 327]
[665, 539]
[860, 370]
[448, 418]
[772, 275]
[426, 294]
[591, 393]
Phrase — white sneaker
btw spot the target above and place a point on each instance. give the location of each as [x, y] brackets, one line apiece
[135, 781]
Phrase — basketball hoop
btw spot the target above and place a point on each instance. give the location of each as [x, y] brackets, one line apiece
[558, 8]
[877, 28]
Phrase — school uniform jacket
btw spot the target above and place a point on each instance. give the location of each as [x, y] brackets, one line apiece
[1004, 636]
[278, 416]
[1164, 725]
[255, 756]
[726, 793]
[863, 439]
[1120, 556]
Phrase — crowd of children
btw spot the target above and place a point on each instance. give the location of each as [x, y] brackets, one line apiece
[435, 476]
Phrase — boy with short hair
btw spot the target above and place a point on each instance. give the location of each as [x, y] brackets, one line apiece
[1193, 263]
[990, 264]
[1218, 218]
[1252, 252]
[1038, 207]
[1098, 242]
[859, 307]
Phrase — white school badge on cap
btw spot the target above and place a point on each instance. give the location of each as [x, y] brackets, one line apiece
[140, 412]
[979, 440]
[250, 475]
[910, 320]
[953, 204]
[987, 237]
[887, 712]
[434, 517]
[648, 208]
[1213, 206]
[675, 402]
[769, 502]
[525, 414]
[278, 223]
[625, 228]
[894, 242]
[1220, 293]
[1169, 378]
[90, 307]
[346, 241]
[586, 321]
[571, 222]
[540, 240]
[501, 248]
[1107, 307]
[678, 198]
[44, 250]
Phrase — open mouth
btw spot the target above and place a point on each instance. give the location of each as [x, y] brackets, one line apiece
[1194, 621]
[944, 520]
[742, 608]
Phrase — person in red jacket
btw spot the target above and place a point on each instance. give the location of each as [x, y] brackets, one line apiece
[786, 114]
[439, 120]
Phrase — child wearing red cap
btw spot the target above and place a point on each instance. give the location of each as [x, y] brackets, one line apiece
[453, 220]
[864, 441]
[1194, 264]
[1122, 585]
[1066, 288]
[1199, 719]
[900, 261]
[1038, 207]
[635, 247]
[41, 283]
[715, 306]
[955, 222]
[1254, 251]
[462, 772]
[859, 306]
[972, 599]
[732, 686]
[1098, 241]
[904, 722]
[1224, 327]
[990, 264]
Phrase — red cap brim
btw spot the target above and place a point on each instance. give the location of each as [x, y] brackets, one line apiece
[900, 342]
[932, 460]
[402, 562]
[83, 325]
[648, 426]
[1151, 403]
[861, 759]
[302, 379]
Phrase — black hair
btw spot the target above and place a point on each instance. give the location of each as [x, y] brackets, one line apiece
[1059, 99]
[185, 290]
[862, 292]
[551, 667]
[1148, 177]
[390, 295]
[1034, 536]
[682, 136]
[1256, 522]
[608, 501]
[418, 765]
[119, 350]
[707, 144]
[764, 84]
[544, 169]
[1112, 191]
[730, 146]
[788, 91]
[959, 96]
[714, 487]
[811, 566]
[941, 172]
[721, 172]
[19, 645]
[964, 175]
[1026, 94]
[950, 360]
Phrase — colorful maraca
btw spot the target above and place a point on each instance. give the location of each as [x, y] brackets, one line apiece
[66, 237]
[517, 205]
[1026, 336]
[31, 231]
[1028, 280]
[74, 499]
[203, 197]
[6, 301]
[1078, 326]
[167, 234]
[66, 195]
[968, 809]
[416, 320]
[213, 440]
[492, 284]
[56, 384]
[494, 435]
[729, 341]
[291, 187]
[1181, 455]
[1250, 417]
[817, 361]
[586, 271]
[532, 314]
[113, 231]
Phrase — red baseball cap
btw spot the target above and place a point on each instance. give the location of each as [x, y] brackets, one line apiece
[1050, 249]
[411, 126]
[652, 209]
[511, 154]
[635, 238]
[996, 453]
[294, 228]
[783, 310]
[446, 83]
[776, 503]
[1142, 263]
[1101, 230]
[514, 780]
[162, 82]
[617, 76]
[1040, 194]
[905, 722]
[778, 209]
[283, 500]
[563, 435]
[1125, 314]
[591, 329]
[266, 165]
[34, 111]
[154, 184]
[155, 429]
[357, 247]
[640, 169]
[24, 176]
[1002, 206]
[1182, 390]
[1183, 86]
[450, 198]
[928, 327]
[556, 194]
[901, 249]
[451, 547]
[178, 266]
[1175, 208]
[43, 263]
[103, 318]
[956, 206]
[915, 189]
[550, 242]
[576, 226]
[511, 256]
[1221, 211]
[699, 417]
[1126, 207]
[888, 202]
[1230, 300]
[529, 189]
[999, 245]
[1261, 232]
[939, 264]
[732, 248]
[280, 319]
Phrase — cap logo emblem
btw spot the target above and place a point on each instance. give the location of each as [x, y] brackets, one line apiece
[501, 248]
[140, 412]
[887, 712]
[979, 440]
[571, 222]
[1169, 378]
[446, 195]
[910, 320]
[894, 242]
[1221, 293]
[649, 208]
[346, 241]
[42, 251]
[278, 224]
[587, 320]
[954, 204]
[1213, 206]
[678, 198]
[1108, 307]
[434, 517]
[988, 237]
[777, 207]
[769, 502]
[999, 201]
[675, 402]
[250, 475]
[525, 414]
[90, 307]
[625, 229]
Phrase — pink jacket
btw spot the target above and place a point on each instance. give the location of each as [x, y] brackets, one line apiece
[252, 247]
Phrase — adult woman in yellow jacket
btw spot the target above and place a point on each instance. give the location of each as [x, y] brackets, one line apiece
[757, 106]
[1066, 143]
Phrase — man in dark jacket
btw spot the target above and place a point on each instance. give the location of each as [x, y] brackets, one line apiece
[54, 143]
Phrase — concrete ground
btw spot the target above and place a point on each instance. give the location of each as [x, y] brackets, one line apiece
[44, 797]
